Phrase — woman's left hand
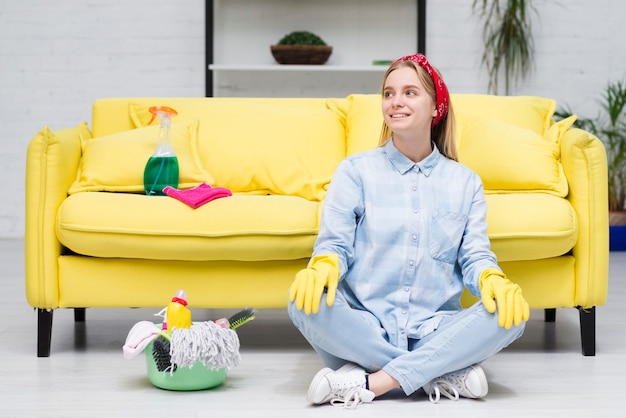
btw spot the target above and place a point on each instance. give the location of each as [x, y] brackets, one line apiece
[498, 292]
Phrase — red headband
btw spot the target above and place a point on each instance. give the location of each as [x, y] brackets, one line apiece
[441, 91]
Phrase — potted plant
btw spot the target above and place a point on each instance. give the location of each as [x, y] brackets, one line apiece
[507, 39]
[610, 127]
[301, 47]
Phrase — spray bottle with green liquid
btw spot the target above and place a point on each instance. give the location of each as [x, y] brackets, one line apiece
[162, 167]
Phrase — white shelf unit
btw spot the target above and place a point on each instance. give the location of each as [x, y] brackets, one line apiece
[283, 67]
[240, 33]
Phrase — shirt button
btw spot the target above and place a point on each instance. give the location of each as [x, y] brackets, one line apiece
[415, 211]
[414, 237]
[414, 188]
[403, 312]
[402, 331]
[406, 289]
[411, 263]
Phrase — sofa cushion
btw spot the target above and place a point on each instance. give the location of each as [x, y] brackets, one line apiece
[53, 158]
[500, 148]
[80, 132]
[527, 226]
[364, 120]
[193, 107]
[530, 226]
[116, 162]
[363, 114]
[509, 158]
[267, 148]
[558, 129]
[529, 112]
[239, 227]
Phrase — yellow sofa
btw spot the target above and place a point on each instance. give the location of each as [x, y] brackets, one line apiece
[93, 239]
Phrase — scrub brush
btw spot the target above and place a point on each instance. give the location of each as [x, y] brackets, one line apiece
[242, 317]
[161, 354]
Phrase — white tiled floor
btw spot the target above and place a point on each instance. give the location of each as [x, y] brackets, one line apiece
[541, 375]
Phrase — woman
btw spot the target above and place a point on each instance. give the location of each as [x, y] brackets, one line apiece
[403, 232]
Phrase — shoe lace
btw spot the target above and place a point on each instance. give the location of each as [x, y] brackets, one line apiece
[441, 387]
[350, 400]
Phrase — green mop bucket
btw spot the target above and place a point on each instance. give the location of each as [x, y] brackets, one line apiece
[198, 377]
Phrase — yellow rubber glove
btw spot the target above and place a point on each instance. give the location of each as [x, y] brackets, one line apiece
[309, 284]
[499, 292]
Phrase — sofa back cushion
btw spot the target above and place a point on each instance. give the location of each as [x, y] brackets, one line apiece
[511, 142]
[528, 112]
[363, 114]
[291, 146]
[363, 119]
[509, 158]
[116, 162]
[267, 147]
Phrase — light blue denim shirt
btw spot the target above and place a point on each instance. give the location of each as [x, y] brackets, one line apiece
[410, 236]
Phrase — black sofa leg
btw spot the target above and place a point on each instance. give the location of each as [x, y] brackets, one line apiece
[79, 314]
[588, 330]
[44, 332]
[550, 315]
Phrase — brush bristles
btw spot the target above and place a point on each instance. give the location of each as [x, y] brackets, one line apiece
[242, 317]
[161, 354]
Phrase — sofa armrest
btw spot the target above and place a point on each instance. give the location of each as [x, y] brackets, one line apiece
[585, 166]
[52, 161]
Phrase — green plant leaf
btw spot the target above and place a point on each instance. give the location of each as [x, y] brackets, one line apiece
[610, 127]
[301, 38]
[508, 41]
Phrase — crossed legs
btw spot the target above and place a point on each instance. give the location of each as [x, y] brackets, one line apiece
[341, 334]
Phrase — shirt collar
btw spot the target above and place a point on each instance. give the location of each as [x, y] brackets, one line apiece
[403, 164]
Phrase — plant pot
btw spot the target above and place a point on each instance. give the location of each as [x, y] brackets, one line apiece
[301, 54]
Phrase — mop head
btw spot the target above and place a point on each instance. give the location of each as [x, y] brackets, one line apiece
[205, 342]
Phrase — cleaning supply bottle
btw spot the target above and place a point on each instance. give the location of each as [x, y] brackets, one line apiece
[162, 167]
[177, 315]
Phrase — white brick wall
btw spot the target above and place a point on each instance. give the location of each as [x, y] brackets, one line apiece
[578, 46]
[57, 57]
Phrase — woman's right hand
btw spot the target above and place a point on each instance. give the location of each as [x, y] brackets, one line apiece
[309, 284]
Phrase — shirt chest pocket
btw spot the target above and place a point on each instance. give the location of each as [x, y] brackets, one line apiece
[446, 231]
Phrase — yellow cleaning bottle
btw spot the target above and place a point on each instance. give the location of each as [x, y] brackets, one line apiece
[177, 315]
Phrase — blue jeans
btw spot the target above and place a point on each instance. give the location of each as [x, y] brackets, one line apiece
[341, 334]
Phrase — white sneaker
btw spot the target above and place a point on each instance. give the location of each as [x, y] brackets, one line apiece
[345, 386]
[470, 382]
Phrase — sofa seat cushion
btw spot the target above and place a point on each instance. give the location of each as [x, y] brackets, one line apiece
[530, 226]
[239, 227]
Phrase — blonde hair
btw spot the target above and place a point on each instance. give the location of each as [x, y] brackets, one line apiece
[444, 133]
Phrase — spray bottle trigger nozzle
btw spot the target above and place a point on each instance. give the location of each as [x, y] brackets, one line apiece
[161, 111]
